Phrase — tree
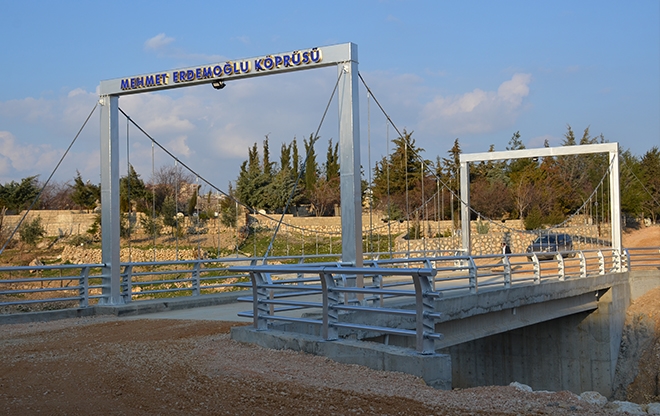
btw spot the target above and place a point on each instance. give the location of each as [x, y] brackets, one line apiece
[56, 195]
[311, 167]
[192, 202]
[85, 195]
[398, 179]
[169, 214]
[251, 183]
[19, 196]
[169, 181]
[133, 192]
[650, 169]
[32, 231]
[332, 162]
[491, 198]
[632, 190]
[229, 209]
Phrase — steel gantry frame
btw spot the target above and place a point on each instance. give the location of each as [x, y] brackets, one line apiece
[615, 200]
[343, 56]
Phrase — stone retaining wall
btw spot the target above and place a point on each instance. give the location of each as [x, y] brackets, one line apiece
[55, 222]
[81, 255]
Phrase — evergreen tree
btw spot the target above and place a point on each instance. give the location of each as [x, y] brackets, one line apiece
[85, 195]
[332, 162]
[650, 176]
[398, 178]
[18, 196]
[229, 209]
[133, 193]
[311, 167]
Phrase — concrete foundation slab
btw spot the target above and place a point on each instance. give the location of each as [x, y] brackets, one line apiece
[434, 369]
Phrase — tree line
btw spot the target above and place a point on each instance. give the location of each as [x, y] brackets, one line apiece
[405, 185]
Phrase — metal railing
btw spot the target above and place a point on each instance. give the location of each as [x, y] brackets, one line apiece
[70, 284]
[323, 289]
[65, 286]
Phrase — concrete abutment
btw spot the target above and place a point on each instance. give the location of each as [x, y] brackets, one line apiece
[554, 336]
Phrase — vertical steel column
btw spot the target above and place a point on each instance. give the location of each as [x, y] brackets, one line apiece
[349, 145]
[110, 215]
[465, 207]
[615, 199]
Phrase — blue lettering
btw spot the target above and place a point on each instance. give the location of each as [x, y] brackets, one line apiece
[245, 68]
[305, 59]
[150, 81]
[268, 63]
[158, 79]
[316, 55]
[124, 84]
[198, 73]
[207, 73]
[163, 78]
[175, 76]
[236, 68]
[287, 60]
[295, 58]
[278, 61]
[217, 70]
[257, 64]
[190, 75]
[132, 83]
[227, 69]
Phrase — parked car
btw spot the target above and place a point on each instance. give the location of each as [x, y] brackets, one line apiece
[545, 246]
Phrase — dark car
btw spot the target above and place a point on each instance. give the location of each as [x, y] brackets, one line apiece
[547, 245]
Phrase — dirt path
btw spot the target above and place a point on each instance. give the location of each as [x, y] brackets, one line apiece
[155, 367]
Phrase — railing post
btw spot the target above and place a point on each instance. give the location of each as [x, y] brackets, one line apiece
[507, 271]
[195, 279]
[259, 292]
[583, 264]
[83, 282]
[625, 258]
[474, 284]
[330, 299]
[601, 262]
[561, 267]
[424, 312]
[536, 265]
[127, 284]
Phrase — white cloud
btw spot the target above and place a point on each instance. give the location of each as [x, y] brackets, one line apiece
[158, 42]
[17, 157]
[477, 111]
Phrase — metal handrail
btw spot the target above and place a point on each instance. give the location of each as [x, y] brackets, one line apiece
[330, 304]
[191, 278]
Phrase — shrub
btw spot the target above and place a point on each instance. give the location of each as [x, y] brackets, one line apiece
[32, 231]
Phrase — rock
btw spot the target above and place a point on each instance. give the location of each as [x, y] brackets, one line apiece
[653, 409]
[520, 386]
[593, 397]
[627, 407]
[35, 262]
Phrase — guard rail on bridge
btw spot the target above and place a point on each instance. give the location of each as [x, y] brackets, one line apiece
[28, 288]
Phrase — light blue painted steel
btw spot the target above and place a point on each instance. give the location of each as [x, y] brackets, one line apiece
[110, 215]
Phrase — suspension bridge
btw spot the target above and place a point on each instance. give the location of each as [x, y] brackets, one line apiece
[434, 306]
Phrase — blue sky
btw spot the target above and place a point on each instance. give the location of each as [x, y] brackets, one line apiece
[473, 70]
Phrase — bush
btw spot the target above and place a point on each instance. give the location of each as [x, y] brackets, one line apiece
[534, 220]
[32, 231]
[482, 227]
[151, 226]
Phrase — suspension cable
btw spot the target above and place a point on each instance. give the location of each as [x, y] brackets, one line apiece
[309, 151]
[36, 198]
